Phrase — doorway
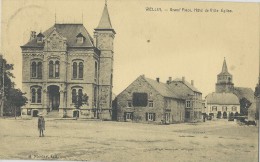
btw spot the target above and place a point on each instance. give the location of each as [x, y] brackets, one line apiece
[54, 97]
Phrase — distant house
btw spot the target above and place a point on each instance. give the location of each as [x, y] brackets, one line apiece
[222, 105]
[151, 101]
[193, 98]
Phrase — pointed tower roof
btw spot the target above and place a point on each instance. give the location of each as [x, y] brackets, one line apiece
[105, 23]
[224, 68]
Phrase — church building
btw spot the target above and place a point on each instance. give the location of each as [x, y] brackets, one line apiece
[228, 100]
[67, 73]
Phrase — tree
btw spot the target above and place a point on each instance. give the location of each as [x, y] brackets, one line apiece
[80, 100]
[13, 98]
[244, 105]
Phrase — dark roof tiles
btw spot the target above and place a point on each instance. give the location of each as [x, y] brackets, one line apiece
[68, 31]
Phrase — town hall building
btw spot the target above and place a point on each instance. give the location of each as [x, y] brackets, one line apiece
[65, 65]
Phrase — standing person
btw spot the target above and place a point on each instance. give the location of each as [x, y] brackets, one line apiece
[41, 125]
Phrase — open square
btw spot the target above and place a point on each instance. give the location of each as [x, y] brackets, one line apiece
[121, 141]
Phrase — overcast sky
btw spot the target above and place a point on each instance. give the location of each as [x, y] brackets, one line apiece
[157, 44]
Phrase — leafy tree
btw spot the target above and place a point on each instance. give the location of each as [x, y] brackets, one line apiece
[244, 105]
[13, 98]
[80, 100]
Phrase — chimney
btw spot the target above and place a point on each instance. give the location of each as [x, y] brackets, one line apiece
[183, 79]
[158, 80]
[192, 82]
[33, 35]
[170, 79]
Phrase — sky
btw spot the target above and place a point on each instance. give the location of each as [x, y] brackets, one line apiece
[154, 43]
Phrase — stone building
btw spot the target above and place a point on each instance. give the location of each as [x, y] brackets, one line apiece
[222, 105]
[147, 100]
[224, 101]
[193, 98]
[63, 64]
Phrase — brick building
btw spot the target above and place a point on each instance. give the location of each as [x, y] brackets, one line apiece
[151, 101]
[63, 63]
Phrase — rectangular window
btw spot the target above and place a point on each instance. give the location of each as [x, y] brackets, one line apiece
[224, 108]
[234, 108]
[214, 108]
[129, 103]
[140, 99]
[150, 103]
[188, 104]
[129, 116]
[150, 116]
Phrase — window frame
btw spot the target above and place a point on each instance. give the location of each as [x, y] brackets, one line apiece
[150, 103]
[36, 94]
[36, 69]
[188, 104]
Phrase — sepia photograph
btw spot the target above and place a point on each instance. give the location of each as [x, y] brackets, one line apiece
[123, 81]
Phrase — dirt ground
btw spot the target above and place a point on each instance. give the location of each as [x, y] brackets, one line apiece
[119, 141]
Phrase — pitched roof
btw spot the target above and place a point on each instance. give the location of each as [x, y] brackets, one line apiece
[162, 88]
[40, 35]
[69, 31]
[222, 99]
[187, 84]
[242, 92]
[224, 70]
[105, 22]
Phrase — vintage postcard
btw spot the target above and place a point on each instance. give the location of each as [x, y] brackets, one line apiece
[119, 81]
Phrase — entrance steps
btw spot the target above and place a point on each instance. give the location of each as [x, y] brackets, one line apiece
[53, 114]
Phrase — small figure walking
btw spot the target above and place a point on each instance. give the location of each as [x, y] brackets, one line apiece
[41, 125]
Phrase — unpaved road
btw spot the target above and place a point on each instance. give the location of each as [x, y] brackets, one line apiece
[214, 141]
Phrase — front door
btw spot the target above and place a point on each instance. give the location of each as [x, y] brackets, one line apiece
[54, 97]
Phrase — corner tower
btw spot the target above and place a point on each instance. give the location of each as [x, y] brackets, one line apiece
[224, 80]
[104, 37]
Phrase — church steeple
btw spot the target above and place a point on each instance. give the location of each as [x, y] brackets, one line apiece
[224, 67]
[105, 22]
[224, 80]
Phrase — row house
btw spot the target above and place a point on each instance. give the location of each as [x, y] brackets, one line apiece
[151, 101]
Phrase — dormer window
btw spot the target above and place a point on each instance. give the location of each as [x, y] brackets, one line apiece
[80, 38]
[40, 37]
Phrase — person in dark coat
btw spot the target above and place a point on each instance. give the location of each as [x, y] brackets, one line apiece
[41, 125]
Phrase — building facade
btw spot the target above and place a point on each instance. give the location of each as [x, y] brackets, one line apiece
[222, 105]
[149, 101]
[193, 98]
[64, 65]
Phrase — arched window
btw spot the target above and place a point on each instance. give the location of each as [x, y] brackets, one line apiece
[39, 71]
[80, 95]
[39, 95]
[74, 96]
[36, 93]
[33, 95]
[80, 70]
[75, 70]
[51, 69]
[33, 70]
[57, 69]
